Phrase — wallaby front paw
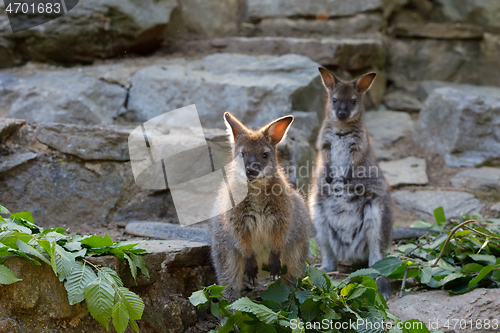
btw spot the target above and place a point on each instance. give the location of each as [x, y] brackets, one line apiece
[251, 268]
[274, 264]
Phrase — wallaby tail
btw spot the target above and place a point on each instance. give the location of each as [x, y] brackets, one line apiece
[405, 233]
[164, 230]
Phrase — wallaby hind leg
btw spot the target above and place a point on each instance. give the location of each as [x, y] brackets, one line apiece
[231, 273]
[324, 238]
[373, 218]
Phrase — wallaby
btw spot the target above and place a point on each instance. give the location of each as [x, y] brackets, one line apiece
[271, 226]
[349, 199]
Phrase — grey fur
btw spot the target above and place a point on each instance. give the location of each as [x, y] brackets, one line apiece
[260, 214]
[352, 214]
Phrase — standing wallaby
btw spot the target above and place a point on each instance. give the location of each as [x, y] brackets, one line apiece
[349, 200]
[271, 226]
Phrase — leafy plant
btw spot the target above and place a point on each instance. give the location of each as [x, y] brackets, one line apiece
[314, 303]
[100, 287]
[462, 256]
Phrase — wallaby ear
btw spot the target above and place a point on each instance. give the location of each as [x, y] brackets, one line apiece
[234, 126]
[364, 82]
[329, 79]
[277, 130]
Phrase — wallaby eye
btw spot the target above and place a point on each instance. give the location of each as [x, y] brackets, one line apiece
[353, 101]
[334, 100]
[265, 156]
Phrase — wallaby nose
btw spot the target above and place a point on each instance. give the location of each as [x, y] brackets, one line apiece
[342, 114]
[251, 172]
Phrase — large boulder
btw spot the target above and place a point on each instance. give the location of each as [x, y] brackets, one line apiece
[462, 126]
[439, 309]
[258, 9]
[62, 98]
[423, 203]
[485, 179]
[485, 13]
[414, 60]
[93, 29]
[386, 128]
[407, 171]
[256, 90]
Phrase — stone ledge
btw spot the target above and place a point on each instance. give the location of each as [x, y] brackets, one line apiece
[177, 268]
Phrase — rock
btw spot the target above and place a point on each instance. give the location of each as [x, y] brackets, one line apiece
[496, 207]
[437, 308]
[285, 27]
[423, 203]
[96, 29]
[472, 123]
[255, 90]
[8, 126]
[258, 9]
[87, 142]
[307, 122]
[425, 88]
[297, 158]
[414, 60]
[408, 171]
[439, 30]
[346, 53]
[64, 98]
[176, 269]
[194, 19]
[168, 231]
[483, 13]
[385, 128]
[12, 161]
[485, 179]
[398, 100]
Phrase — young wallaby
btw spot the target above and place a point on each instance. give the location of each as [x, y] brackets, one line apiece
[271, 226]
[349, 200]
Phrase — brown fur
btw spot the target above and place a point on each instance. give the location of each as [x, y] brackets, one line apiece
[269, 227]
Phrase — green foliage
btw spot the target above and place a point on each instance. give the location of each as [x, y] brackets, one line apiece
[314, 303]
[101, 287]
[469, 259]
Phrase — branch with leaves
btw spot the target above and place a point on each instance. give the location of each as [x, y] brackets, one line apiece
[101, 287]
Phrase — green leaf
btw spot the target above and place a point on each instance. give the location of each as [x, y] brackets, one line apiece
[6, 275]
[303, 295]
[485, 259]
[23, 247]
[313, 247]
[81, 276]
[415, 326]
[485, 271]
[310, 309]
[73, 246]
[99, 296]
[426, 275]
[96, 241]
[215, 291]
[65, 262]
[277, 292]
[24, 215]
[135, 305]
[120, 317]
[421, 225]
[133, 325]
[198, 298]
[387, 265]
[439, 215]
[262, 312]
[3, 210]
[131, 263]
[473, 267]
[112, 276]
[139, 262]
[373, 273]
